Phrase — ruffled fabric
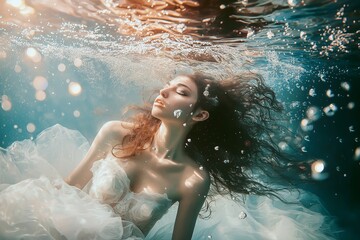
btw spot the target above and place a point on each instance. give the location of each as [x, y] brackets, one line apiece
[35, 203]
[258, 218]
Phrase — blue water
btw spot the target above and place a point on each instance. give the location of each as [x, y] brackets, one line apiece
[309, 54]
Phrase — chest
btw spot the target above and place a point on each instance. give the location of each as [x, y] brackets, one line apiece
[159, 175]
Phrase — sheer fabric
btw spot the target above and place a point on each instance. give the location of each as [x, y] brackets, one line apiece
[35, 203]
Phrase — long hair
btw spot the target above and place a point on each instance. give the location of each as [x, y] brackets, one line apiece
[237, 144]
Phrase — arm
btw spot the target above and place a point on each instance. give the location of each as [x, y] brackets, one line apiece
[194, 192]
[111, 133]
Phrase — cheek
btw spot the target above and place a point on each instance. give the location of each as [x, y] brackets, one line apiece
[183, 111]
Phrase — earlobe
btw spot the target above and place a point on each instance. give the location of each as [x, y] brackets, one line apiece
[201, 116]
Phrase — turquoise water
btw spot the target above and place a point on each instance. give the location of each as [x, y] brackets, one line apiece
[80, 64]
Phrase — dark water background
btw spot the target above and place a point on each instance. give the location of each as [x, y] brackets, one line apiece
[308, 52]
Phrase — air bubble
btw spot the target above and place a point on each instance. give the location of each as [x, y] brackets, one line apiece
[61, 67]
[312, 92]
[270, 34]
[283, 146]
[351, 105]
[30, 127]
[40, 83]
[345, 86]
[242, 215]
[74, 88]
[357, 154]
[313, 113]
[6, 104]
[306, 125]
[177, 113]
[317, 169]
[40, 95]
[329, 93]
[17, 68]
[330, 110]
[33, 54]
[78, 62]
[351, 128]
[76, 113]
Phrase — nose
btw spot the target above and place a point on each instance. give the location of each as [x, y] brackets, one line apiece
[164, 92]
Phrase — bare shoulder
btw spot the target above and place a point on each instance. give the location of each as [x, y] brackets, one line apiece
[116, 130]
[196, 180]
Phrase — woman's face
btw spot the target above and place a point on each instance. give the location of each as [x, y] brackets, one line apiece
[176, 101]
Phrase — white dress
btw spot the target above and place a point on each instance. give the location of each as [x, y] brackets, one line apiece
[35, 203]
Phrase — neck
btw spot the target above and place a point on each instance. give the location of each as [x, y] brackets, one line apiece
[169, 141]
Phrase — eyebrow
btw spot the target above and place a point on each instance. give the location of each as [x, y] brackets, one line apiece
[181, 84]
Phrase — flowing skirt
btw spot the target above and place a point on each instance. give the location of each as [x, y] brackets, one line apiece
[35, 203]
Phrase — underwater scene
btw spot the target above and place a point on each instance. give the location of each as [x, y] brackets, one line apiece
[81, 63]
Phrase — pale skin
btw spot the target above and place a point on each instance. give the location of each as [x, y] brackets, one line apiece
[163, 167]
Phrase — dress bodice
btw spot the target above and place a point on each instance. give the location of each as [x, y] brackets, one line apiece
[111, 185]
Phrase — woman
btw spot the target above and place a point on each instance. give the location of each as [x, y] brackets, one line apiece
[198, 133]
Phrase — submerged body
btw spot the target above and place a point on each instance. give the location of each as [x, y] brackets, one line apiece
[122, 187]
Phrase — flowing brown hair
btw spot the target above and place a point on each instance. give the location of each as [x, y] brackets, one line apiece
[237, 144]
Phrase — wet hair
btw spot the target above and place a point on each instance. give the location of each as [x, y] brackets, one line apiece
[237, 144]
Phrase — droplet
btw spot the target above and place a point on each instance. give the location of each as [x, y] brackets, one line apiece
[6, 104]
[222, 6]
[61, 67]
[184, 124]
[307, 138]
[345, 86]
[216, 148]
[303, 35]
[40, 95]
[283, 146]
[338, 168]
[270, 34]
[17, 68]
[226, 161]
[351, 128]
[201, 168]
[318, 166]
[306, 125]
[40, 83]
[189, 139]
[74, 88]
[33, 54]
[78, 62]
[30, 127]
[351, 105]
[76, 113]
[329, 93]
[357, 154]
[303, 149]
[317, 170]
[242, 215]
[313, 113]
[177, 113]
[312, 92]
[330, 110]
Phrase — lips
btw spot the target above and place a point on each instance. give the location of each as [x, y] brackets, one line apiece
[159, 102]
